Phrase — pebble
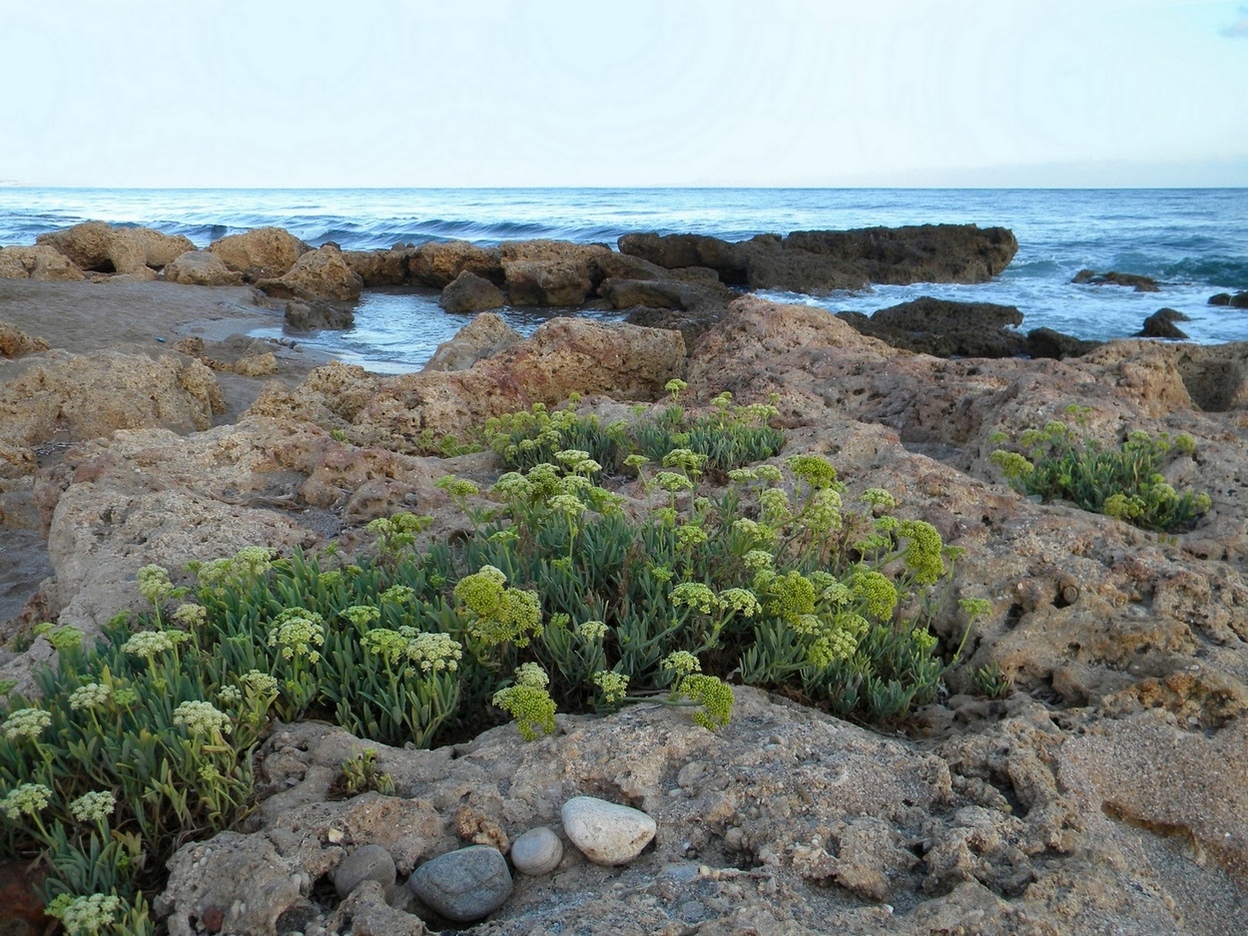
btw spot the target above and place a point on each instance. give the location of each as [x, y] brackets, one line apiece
[464, 885]
[537, 851]
[607, 833]
[366, 863]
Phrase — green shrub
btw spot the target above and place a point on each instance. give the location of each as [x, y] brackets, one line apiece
[1123, 482]
[554, 601]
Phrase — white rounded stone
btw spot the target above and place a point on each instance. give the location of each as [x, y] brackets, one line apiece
[607, 833]
[537, 851]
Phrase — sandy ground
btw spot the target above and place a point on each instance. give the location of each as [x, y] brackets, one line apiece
[148, 318]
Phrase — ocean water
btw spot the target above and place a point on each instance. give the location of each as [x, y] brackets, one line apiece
[1193, 241]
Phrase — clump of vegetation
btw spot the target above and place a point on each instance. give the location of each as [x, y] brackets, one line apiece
[554, 601]
[1123, 482]
[729, 436]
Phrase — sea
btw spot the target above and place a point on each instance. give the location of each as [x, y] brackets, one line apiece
[1194, 242]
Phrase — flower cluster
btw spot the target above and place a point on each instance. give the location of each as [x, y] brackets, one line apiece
[95, 806]
[592, 630]
[502, 614]
[26, 723]
[295, 632]
[614, 685]
[694, 595]
[713, 694]
[154, 584]
[201, 718]
[87, 915]
[528, 701]
[876, 592]
[191, 615]
[681, 663]
[435, 653]
[149, 643]
[89, 696]
[923, 553]
[25, 799]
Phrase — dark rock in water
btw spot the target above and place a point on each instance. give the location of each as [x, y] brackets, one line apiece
[309, 316]
[1237, 301]
[464, 885]
[945, 329]
[1047, 343]
[1092, 278]
[471, 293]
[1161, 325]
[820, 261]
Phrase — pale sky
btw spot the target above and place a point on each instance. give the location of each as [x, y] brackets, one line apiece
[272, 93]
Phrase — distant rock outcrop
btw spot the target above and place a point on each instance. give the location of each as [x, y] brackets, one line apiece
[1140, 283]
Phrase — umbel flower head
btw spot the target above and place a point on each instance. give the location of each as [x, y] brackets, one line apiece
[26, 723]
[95, 806]
[295, 632]
[26, 799]
[201, 718]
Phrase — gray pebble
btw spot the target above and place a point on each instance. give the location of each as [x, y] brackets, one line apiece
[537, 851]
[464, 885]
[366, 863]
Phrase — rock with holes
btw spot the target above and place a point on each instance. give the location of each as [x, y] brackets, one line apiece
[606, 833]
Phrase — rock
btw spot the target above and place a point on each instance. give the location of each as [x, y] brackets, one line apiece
[691, 324]
[470, 293]
[159, 250]
[366, 863]
[1161, 325]
[267, 252]
[201, 268]
[538, 851]
[256, 365]
[1047, 343]
[19, 895]
[1237, 301]
[606, 833]
[1092, 278]
[945, 329]
[379, 267]
[485, 336]
[14, 343]
[95, 245]
[819, 261]
[537, 283]
[564, 355]
[309, 316]
[91, 395]
[41, 262]
[664, 294]
[437, 264]
[317, 274]
[366, 913]
[464, 885]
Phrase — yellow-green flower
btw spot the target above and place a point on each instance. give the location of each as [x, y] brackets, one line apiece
[26, 723]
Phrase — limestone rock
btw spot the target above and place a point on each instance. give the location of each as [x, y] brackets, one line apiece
[538, 851]
[41, 262]
[94, 245]
[470, 293]
[464, 885]
[256, 365]
[551, 283]
[379, 267]
[160, 249]
[485, 336]
[317, 274]
[437, 264]
[14, 343]
[606, 833]
[201, 268]
[259, 253]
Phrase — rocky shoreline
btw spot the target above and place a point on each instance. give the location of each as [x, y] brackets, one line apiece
[1106, 793]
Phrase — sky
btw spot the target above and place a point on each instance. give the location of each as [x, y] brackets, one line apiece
[381, 93]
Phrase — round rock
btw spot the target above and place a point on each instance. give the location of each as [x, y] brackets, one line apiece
[464, 885]
[537, 851]
[366, 863]
[607, 833]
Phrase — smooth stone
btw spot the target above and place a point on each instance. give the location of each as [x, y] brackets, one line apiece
[366, 863]
[464, 885]
[607, 833]
[537, 851]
